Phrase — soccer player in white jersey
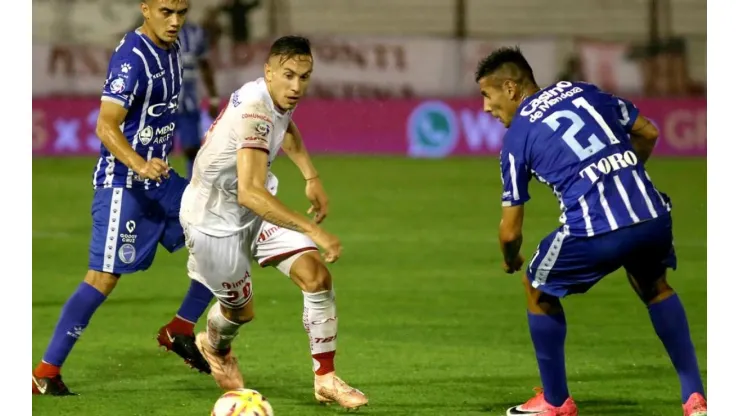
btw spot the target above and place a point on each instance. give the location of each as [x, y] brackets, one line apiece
[230, 216]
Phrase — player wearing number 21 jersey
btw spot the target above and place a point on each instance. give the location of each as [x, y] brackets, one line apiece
[590, 148]
[231, 216]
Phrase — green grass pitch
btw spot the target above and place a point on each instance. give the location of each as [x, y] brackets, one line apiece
[429, 324]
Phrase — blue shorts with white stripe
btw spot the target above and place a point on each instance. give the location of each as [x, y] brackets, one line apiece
[129, 223]
[564, 264]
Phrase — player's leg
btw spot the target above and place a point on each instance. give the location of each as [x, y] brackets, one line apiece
[562, 265]
[646, 272]
[188, 130]
[121, 243]
[296, 256]
[74, 318]
[547, 328]
[222, 265]
[178, 334]
[223, 323]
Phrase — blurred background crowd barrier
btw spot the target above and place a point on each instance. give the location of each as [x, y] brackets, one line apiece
[392, 76]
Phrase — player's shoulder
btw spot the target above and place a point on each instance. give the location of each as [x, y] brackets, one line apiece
[253, 98]
[516, 135]
[127, 48]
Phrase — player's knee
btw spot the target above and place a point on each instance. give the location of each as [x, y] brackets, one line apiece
[311, 274]
[540, 303]
[657, 291]
[102, 281]
[241, 315]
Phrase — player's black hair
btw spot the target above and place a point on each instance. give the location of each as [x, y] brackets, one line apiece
[287, 47]
[510, 59]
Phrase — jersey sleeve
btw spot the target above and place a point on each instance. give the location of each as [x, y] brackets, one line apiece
[515, 172]
[255, 130]
[627, 112]
[125, 79]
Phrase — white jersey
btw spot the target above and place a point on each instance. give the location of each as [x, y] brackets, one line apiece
[250, 120]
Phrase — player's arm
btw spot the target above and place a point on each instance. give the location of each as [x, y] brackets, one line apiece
[644, 136]
[515, 177]
[293, 147]
[111, 116]
[125, 81]
[255, 132]
[510, 235]
[643, 133]
[251, 166]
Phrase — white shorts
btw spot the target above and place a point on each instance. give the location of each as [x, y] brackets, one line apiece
[223, 264]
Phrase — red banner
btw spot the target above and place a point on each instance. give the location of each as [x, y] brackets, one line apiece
[417, 128]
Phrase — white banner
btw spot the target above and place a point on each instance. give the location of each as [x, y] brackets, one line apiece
[361, 67]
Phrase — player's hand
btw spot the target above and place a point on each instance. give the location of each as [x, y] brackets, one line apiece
[515, 265]
[319, 201]
[329, 242]
[154, 169]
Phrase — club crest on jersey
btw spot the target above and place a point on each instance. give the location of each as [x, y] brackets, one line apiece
[125, 68]
[145, 135]
[117, 85]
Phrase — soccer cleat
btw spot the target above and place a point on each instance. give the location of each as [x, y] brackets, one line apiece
[331, 389]
[695, 406]
[50, 386]
[184, 346]
[538, 406]
[224, 366]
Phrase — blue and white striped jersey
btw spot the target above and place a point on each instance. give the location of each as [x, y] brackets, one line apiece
[574, 138]
[146, 80]
[194, 48]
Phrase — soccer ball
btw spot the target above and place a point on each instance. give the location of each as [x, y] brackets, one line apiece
[242, 402]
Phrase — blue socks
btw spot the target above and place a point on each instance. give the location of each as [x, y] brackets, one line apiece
[548, 336]
[75, 316]
[195, 303]
[671, 325]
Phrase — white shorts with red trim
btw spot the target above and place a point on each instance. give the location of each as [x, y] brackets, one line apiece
[223, 264]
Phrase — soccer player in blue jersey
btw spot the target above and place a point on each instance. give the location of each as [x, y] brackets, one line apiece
[137, 196]
[194, 48]
[590, 148]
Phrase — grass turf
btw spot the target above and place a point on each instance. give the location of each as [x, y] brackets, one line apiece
[430, 325]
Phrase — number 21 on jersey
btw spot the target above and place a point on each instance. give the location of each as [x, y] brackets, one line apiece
[594, 144]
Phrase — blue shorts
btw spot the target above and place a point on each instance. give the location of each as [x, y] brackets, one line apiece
[564, 265]
[188, 130]
[128, 224]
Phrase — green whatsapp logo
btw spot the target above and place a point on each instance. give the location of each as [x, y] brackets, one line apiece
[432, 130]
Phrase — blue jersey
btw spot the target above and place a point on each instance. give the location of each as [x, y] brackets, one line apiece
[194, 49]
[574, 138]
[145, 79]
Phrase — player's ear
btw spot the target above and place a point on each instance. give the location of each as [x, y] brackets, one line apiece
[144, 9]
[268, 72]
[510, 89]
